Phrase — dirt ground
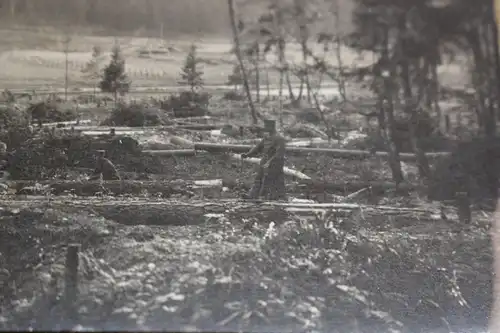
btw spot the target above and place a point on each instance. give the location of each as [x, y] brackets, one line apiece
[217, 264]
[229, 271]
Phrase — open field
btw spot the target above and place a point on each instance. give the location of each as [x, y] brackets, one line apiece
[35, 60]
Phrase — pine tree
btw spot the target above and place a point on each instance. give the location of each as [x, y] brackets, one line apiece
[114, 79]
[191, 74]
[92, 70]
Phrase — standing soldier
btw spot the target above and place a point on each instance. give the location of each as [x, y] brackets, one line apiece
[269, 182]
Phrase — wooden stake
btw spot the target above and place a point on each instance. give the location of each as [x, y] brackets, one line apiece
[463, 206]
[71, 280]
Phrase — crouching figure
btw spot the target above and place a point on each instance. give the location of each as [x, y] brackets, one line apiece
[269, 182]
[105, 169]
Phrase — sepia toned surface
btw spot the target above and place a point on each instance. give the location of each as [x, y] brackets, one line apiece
[389, 113]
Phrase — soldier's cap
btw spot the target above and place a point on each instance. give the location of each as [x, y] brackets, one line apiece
[269, 125]
[101, 151]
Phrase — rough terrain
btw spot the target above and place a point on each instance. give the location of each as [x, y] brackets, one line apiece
[182, 259]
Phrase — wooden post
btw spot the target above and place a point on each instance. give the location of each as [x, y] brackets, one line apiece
[463, 206]
[447, 123]
[71, 280]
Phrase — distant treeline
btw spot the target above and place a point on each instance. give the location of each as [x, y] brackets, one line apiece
[177, 16]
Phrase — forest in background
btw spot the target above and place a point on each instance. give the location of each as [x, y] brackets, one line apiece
[126, 16]
[142, 17]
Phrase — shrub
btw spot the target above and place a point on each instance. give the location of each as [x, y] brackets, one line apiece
[51, 112]
[188, 104]
[135, 115]
[233, 96]
[11, 116]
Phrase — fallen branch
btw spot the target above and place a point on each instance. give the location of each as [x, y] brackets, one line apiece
[287, 171]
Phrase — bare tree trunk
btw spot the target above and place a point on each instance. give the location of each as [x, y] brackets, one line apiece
[496, 52]
[289, 83]
[434, 90]
[386, 115]
[488, 42]
[338, 51]
[479, 77]
[281, 83]
[305, 77]
[411, 110]
[232, 16]
[330, 131]
[268, 83]
[257, 70]
[66, 60]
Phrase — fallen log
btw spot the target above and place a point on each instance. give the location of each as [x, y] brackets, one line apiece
[172, 212]
[188, 119]
[97, 128]
[335, 153]
[306, 142]
[186, 187]
[99, 133]
[180, 141]
[117, 129]
[376, 187]
[235, 204]
[116, 187]
[172, 152]
[290, 143]
[66, 123]
[286, 170]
